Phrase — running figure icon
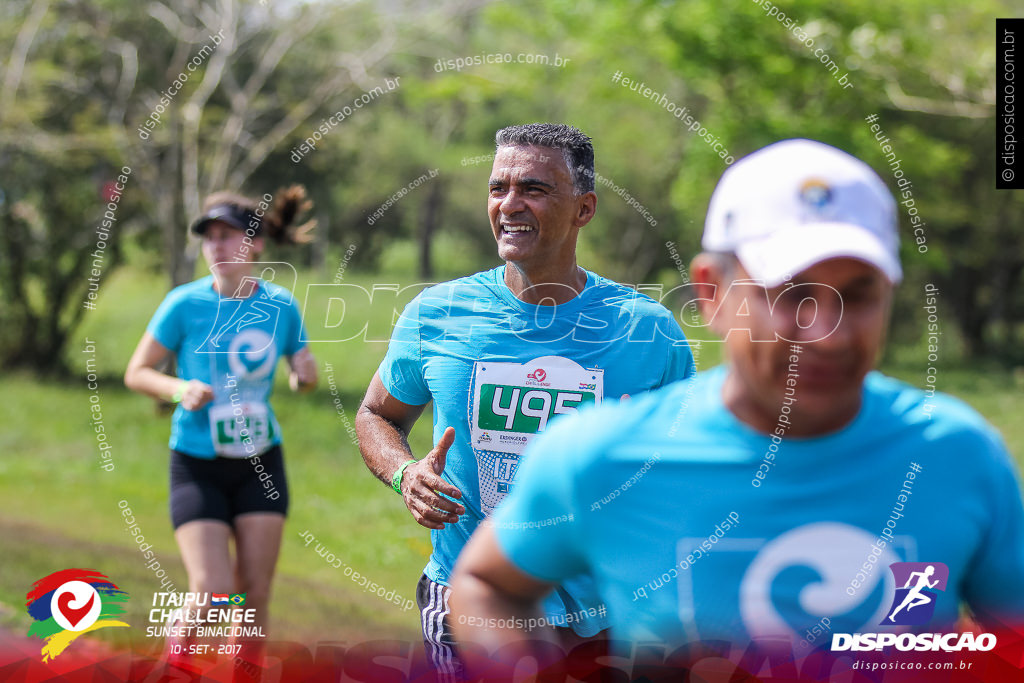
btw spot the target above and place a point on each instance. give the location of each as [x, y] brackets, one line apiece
[915, 597]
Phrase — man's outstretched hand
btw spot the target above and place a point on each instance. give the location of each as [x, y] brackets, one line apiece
[421, 483]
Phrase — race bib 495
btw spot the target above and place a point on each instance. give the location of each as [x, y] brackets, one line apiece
[514, 401]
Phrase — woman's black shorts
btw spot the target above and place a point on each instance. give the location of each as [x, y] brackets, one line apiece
[224, 488]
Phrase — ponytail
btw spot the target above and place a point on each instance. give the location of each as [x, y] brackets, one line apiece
[279, 222]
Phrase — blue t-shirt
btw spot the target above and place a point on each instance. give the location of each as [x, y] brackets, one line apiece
[664, 515]
[234, 346]
[498, 369]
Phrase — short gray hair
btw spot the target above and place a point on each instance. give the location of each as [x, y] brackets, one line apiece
[575, 146]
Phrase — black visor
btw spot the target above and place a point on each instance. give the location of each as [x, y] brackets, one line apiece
[240, 219]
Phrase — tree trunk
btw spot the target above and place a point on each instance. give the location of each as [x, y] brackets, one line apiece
[1007, 305]
[320, 243]
[964, 288]
[428, 225]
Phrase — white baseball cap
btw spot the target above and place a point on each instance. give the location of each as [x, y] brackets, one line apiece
[796, 203]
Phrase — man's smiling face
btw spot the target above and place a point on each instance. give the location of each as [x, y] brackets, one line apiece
[534, 210]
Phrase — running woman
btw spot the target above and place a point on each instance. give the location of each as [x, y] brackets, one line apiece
[503, 354]
[227, 332]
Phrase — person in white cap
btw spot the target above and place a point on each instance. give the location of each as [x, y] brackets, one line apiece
[767, 497]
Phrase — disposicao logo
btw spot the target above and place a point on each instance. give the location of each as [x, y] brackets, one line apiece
[919, 581]
[918, 585]
[71, 602]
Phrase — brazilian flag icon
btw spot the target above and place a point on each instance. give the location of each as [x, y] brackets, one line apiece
[237, 599]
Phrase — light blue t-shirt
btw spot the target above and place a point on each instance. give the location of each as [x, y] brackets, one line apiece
[500, 370]
[234, 346]
[683, 546]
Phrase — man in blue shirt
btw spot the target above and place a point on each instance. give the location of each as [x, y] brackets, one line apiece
[787, 494]
[504, 354]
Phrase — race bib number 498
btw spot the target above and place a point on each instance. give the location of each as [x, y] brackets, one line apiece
[242, 430]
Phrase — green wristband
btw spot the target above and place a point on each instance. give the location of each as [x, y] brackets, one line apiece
[180, 393]
[396, 480]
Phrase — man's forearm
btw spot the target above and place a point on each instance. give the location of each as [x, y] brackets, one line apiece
[490, 622]
[382, 443]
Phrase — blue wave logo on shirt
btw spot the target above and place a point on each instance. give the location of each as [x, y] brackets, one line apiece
[235, 316]
[252, 354]
[802, 575]
[914, 603]
[255, 304]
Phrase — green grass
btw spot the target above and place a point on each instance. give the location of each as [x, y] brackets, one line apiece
[55, 491]
[61, 510]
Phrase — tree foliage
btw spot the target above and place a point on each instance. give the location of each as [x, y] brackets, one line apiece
[80, 78]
